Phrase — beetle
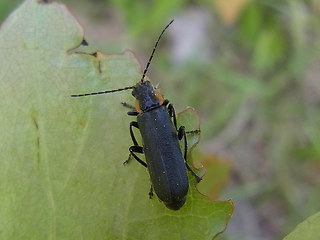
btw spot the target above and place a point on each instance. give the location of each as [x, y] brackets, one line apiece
[156, 120]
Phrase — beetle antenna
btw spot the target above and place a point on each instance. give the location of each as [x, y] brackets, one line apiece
[103, 92]
[154, 49]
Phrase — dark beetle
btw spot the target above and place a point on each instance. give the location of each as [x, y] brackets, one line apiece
[157, 123]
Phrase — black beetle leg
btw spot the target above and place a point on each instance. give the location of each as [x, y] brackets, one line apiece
[182, 134]
[165, 102]
[198, 179]
[172, 114]
[136, 149]
[134, 124]
[193, 131]
[128, 105]
[151, 192]
[131, 113]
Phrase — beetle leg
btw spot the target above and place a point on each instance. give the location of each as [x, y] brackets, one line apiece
[165, 102]
[172, 114]
[136, 149]
[133, 124]
[131, 113]
[193, 131]
[198, 179]
[128, 105]
[182, 134]
[151, 192]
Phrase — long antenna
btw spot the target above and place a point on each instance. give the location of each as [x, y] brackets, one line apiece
[103, 92]
[154, 49]
[142, 78]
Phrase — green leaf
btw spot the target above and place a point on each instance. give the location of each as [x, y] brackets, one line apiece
[217, 175]
[61, 174]
[307, 230]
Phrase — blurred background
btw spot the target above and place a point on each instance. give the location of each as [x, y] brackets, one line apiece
[251, 69]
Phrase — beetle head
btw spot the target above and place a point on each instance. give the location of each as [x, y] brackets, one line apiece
[147, 96]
